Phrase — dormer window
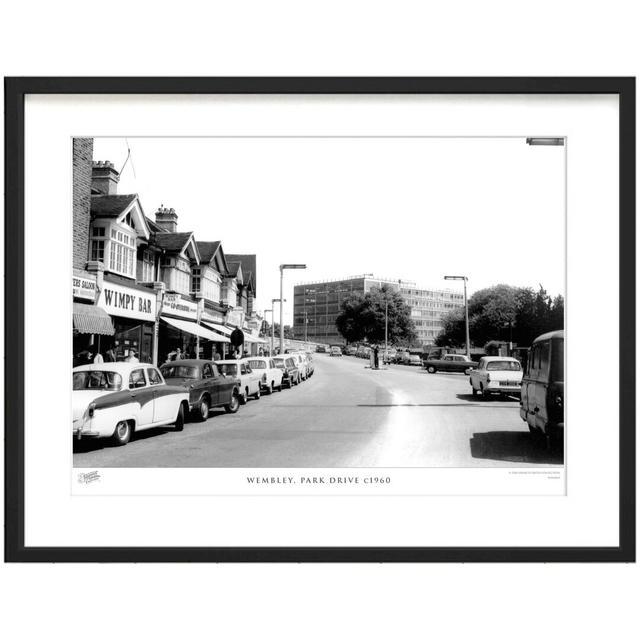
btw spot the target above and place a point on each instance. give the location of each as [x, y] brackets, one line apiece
[115, 246]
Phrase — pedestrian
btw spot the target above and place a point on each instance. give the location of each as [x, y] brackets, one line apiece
[98, 359]
[110, 355]
[218, 355]
[132, 357]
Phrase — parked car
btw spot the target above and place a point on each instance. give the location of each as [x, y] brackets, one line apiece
[310, 366]
[115, 399]
[240, 370]
[301, 363]
[206, 386]
[450, 362]
[335, 351]
[270, 374]
[496, 375]
[542, 396]
[414, 360]
[289, 368]
[349, 351]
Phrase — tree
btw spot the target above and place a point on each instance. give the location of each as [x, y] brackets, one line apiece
[265, 330]
[362, 317]
[504, 313]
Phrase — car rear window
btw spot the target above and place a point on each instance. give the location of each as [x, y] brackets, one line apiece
[104, 380]
[228, 369]
[503, 365]
[179, 371]
[257, 364]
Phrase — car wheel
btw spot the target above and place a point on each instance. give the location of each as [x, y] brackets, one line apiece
[244, 396]
[257, 394]
[280, 388]
[122, 433]
[178, 425]
[203, 410]
[485, 394]
[431, 369]
[269, 389]
[234, 403]
[474, 391]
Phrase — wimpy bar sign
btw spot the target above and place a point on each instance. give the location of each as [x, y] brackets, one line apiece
[129, 303]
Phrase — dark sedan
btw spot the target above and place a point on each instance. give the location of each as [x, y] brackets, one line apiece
[290, 371]
[450, 362]
[207, 387]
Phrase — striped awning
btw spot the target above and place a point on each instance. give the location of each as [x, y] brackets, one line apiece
[195, 329]
[88, 318]
[220, 328]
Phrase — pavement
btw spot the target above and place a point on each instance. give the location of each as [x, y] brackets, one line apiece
[345, 415]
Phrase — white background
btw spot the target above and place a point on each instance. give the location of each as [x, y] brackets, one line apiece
[399, 38]
[53, 517]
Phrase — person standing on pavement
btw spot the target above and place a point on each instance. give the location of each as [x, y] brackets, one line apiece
[132, 357]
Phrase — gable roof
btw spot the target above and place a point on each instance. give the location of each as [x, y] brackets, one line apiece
[248, 262]
[110, 206]
[172, 242]
[208, 249]
[156, 228]
[233, 269]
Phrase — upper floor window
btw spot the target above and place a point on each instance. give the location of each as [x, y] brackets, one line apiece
[115, 247]
[195, 280]
[148, 274]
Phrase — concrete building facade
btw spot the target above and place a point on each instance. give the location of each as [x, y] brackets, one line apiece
[316, 306]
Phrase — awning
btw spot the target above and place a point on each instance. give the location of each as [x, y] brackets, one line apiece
[195, 329]
[219, 327]
[88, 318]
[250, 338]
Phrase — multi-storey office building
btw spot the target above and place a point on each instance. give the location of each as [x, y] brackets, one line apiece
[316, 306]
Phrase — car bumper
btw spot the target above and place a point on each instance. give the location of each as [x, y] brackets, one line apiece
[79, 433]
[512, 390]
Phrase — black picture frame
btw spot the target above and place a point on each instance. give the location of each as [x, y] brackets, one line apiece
[15, 91]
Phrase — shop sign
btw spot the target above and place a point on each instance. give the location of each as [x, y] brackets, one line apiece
[118, 300]
[175, 305]
[235, 317]
[84, 288]
[212, 316]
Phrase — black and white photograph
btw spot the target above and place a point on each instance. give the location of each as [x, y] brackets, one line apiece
[318, 302]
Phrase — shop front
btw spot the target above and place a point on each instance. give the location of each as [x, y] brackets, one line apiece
[132, 310]
[180, 328]
[92, 326]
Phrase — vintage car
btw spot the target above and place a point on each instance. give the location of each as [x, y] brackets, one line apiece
[289, 368]
[450, 362]
[115, 399]
[310, 366]
[542, 396]
[301, 362]
[240, 370]
[496, 375]
[335, 351]
[270, 374]
[206, 386]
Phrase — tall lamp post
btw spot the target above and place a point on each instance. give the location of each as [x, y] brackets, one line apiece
[282, 268]
[272, 320]
[265, 319]
[466, 309]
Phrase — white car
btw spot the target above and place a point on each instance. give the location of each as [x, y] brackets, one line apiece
[496, 375]
[242, 371]
[115, 399]
[301, 362]
[270, 375]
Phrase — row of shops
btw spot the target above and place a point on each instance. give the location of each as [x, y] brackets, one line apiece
[119, 321]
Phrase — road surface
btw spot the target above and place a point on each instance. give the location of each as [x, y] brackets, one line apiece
[345, 415]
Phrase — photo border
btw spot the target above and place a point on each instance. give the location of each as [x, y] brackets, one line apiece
[15, 91]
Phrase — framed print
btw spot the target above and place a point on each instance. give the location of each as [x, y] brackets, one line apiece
[320, 319]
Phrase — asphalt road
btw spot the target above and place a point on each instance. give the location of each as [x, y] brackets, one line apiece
[345, 415]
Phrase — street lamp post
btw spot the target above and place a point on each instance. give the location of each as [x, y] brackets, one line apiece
[282, 268]
[272, 320]
[466, 310]
[265, 319]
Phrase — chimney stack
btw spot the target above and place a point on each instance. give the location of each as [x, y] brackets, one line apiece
[104, 178]
[167, 219]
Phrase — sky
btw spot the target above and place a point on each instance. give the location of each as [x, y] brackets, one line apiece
[417, 209]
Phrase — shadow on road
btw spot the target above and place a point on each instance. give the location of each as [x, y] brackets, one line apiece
[514, 446]
[469, 397]
[95, 444]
